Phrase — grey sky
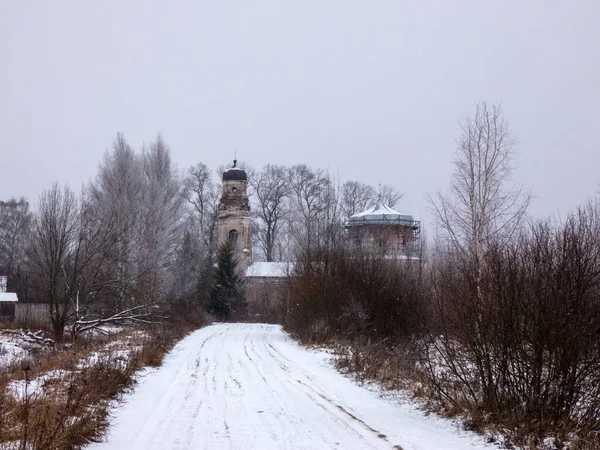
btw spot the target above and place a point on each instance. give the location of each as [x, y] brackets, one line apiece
[372, 90]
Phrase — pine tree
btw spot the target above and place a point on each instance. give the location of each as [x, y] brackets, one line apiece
[225, 295]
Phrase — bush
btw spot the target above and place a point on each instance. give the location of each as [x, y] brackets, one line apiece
[338, 294]
[520, 343]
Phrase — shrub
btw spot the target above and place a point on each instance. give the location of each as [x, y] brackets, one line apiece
[341, 294]
[521, 342]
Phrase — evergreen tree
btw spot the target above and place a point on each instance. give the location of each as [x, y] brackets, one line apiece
[225, 296]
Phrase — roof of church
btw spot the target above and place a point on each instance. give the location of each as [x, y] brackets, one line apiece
[235, 173]
[8, 297]
[269, 269]
[380, 213]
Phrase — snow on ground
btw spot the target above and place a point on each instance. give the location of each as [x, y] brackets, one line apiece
[11, 352]
[18, 348]
[18, 345]
[35, 387]
[249, 386]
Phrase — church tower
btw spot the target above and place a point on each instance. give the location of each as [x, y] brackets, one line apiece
[234, 215]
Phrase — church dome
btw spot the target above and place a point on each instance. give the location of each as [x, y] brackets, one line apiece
[381, 214]
[235, 173]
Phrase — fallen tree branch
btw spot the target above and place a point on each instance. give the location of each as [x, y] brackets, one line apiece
[134, 314]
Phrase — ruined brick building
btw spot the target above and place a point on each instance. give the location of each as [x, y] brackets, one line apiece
[378, 230]
[381, 230]
[234, 215]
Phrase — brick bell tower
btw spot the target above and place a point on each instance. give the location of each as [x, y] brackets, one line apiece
[234, 215]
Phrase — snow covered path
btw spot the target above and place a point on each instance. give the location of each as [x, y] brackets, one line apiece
[249, 386]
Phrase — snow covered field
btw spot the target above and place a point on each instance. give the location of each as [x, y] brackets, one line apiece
[249, 386]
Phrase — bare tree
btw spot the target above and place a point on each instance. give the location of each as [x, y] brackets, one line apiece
[390, 195]
[140, 200]
[199, 241]
[67, 257]
[52, 251]
[331, 223]
[356, 197]
[162, 221]
[202, 193]
[482, 205]
[594, 206]
[271, 189]
[15, 219]
[89, 282]
[192, 262]
[479, 221]
[117, 195]
[308, 188]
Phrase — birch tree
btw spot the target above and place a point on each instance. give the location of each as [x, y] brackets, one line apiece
[117, 194]
[482, 204]
[162, 221]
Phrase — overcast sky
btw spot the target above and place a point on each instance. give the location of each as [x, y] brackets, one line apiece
[373, 90]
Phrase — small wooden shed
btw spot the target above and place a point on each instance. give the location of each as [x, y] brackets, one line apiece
[8, 300]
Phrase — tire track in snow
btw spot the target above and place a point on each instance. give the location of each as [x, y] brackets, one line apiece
[248, 386]
[277, 355]
[268, 358]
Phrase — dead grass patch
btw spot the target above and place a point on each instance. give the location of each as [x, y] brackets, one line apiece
[71, 410]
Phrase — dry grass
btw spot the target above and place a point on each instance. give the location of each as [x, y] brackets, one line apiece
[397, 368]
[71, 410]
[373, 361]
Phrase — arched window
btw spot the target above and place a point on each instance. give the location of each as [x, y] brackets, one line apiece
[233, 236]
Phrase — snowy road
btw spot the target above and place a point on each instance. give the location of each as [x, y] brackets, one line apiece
[248, 386]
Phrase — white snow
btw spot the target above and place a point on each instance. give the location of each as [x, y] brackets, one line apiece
[18, 345]
[378, 209]
[380, 213]
[11, 352]
[249, 386]
[269, 269]
[8, 297]
[36, 386]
